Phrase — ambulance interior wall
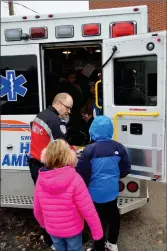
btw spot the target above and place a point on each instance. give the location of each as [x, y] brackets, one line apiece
[57, 64]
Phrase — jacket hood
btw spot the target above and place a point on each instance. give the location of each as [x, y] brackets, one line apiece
[101, 128]
[58, 180]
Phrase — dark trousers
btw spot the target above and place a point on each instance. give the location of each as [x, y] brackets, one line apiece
[109, 215]
[34, 166]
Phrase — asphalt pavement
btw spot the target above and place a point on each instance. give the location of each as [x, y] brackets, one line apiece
[145, 229]
[141, 230]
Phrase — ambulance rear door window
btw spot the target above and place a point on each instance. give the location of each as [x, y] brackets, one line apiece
[19, 85]
[135, 81]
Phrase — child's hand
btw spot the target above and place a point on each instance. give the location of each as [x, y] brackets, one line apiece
[73, 148]
[86, 117]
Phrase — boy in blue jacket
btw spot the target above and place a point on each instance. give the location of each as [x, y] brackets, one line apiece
[101, 165]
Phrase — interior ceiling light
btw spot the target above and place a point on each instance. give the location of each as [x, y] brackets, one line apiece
[66, 52]
[97, 50]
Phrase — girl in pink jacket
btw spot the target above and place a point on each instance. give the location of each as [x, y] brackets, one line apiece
[62, 201]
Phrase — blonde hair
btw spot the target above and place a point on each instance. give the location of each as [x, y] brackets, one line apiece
[58, 154]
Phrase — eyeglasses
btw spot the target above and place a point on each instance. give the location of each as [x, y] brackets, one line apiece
[67, 107]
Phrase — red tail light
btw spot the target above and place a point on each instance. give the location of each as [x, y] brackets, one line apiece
[121, 29]
[121, 186]
[91, 30]
[132, 187]
[38, 33]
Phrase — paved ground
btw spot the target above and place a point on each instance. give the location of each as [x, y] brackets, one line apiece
[145, 229]
[141, 230]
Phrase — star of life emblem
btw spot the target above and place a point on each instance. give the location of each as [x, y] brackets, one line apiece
[12, 85]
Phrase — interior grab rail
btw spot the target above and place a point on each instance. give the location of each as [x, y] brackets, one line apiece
[97, 94]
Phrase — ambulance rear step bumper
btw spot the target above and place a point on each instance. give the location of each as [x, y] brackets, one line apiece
[17, 201]
[125, 204]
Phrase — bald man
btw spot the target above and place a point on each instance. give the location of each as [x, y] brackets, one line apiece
[47, 126]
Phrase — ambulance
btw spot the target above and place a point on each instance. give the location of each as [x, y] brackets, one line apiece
[115, 43]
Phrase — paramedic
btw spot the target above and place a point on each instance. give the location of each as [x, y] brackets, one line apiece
[48, 126]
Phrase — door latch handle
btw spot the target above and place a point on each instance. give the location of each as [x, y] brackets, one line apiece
[9, 147]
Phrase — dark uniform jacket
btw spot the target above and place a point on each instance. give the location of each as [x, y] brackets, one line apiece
[46, 127]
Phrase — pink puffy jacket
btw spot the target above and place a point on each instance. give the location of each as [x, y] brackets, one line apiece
[62, 202]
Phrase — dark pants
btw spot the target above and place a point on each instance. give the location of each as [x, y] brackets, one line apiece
[35, 165]
[109, 215]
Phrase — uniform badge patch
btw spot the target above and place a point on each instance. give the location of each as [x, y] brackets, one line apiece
[63, 129]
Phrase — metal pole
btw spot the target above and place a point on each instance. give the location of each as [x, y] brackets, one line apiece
[11, 8]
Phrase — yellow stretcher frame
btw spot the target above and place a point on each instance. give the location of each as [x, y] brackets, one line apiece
[121, 114]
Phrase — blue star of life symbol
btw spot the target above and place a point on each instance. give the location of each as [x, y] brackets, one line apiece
[12, 85]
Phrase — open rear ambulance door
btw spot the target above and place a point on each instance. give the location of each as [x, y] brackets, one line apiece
[20, 102]
[134, 82]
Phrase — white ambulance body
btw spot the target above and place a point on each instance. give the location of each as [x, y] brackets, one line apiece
[35, 50]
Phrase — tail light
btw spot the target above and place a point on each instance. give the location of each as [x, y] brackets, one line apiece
[91, 30]
[38, 33]
[120, 29]
[132, 187]
[121, 186]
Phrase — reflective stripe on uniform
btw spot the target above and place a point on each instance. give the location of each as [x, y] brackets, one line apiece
[45, 126]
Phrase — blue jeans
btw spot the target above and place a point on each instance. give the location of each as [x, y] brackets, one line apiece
[68, 244]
